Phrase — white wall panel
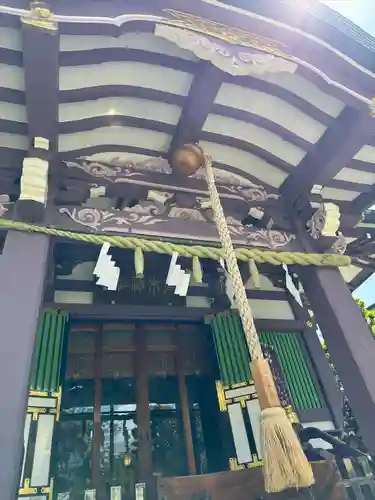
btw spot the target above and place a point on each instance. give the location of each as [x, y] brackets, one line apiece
[140, 41]
[271, 309]
[271, 107]
[125, 73]
[42, 452]
[358, 176]
[245, 162]
[254, 135]
[67, 297]
[10, 39]
[241, 442]
[12, 77]
[265, 284]
[253, 410]
[81, 272]
[13, 112]
[367, 154]
[26, 434]
[330, 193]
[120, 106]
[14, 141]
[116, 135]
[305, 89]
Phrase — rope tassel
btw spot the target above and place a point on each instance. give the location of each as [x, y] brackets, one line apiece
[254, 273]
[139, 263]
[197, 270]
[285, 464]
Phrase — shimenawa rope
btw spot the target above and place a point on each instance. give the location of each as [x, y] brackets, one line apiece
[204, 252]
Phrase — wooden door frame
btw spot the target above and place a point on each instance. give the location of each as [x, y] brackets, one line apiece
[141, 375]
[144, 472]
[98, 356]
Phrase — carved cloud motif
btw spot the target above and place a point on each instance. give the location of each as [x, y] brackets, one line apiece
[102, 220]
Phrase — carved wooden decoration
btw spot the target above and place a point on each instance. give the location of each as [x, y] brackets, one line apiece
[325, 221]
[146, 219]
[233, 59]
[340, 244]
[150, 173]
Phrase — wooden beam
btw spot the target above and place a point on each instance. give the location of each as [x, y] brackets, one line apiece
[134, 182]
[199, 103]
[40, 46]
[334, 150]
[364, 200]
[163, 313]
[147, 222]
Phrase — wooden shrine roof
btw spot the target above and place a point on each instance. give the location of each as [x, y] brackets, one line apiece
[278, 95]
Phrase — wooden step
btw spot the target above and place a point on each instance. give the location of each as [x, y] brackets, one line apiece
[247, 484]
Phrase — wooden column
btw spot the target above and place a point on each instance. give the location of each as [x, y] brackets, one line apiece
[22, 271]
[43, 405]
[348, 340]
[143, 412]
[97, 407]
[184, 400]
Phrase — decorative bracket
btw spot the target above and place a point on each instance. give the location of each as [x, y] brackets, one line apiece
[325, 221]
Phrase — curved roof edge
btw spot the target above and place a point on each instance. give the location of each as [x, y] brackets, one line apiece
[333, 27]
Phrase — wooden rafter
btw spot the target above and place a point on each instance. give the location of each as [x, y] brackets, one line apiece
[365, 200]
[199, 103]
[334, 151]
[41, 69]
[40, 46]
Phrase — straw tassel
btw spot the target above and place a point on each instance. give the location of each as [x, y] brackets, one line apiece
[139, 263]
[197, 270]
[254, 273]
[285, 464]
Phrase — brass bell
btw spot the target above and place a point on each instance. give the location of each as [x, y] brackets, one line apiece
[187, 159]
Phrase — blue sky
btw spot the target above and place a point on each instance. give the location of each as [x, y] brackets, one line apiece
[361, 12]
[366, 291]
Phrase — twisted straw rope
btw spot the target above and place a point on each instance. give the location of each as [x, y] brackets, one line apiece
[246, 316]
[165, 247]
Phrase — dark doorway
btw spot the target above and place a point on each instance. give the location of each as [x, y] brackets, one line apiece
[134, 407]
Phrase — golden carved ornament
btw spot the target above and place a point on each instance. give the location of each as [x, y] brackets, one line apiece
[229, 34]
[26, 489]
[40, 16]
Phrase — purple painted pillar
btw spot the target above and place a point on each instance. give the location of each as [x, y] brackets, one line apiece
[23, 265]
[348, 339]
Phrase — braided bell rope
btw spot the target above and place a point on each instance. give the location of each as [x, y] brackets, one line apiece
[204, 252]
[243, 306]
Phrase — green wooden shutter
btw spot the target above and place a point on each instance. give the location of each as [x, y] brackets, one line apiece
[46, 362]
[233, 358]
[231, 348]
[292, 358]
